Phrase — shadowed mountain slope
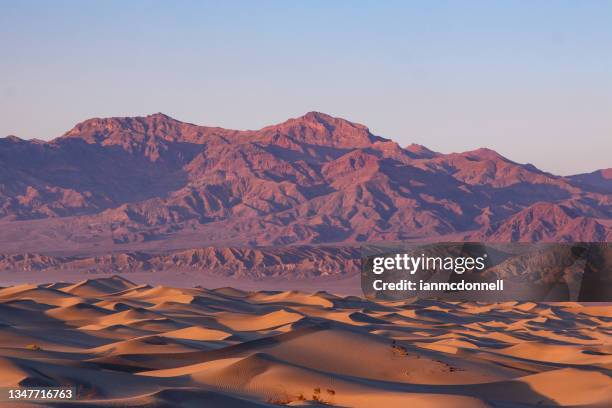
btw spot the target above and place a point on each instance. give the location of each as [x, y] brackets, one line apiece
[156, 182]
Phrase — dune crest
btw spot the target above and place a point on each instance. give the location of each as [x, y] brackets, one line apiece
[120, 343]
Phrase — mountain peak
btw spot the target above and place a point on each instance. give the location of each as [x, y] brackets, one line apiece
[97, 129]
[12, 139]
[318, 116]
[421, 151]
[321, 129]
[315, 118]
[484, 153]
[160, 115]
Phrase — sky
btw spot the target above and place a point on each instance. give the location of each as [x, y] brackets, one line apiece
[530, 79]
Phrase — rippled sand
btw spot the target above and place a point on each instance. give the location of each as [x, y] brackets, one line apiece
[123, 344]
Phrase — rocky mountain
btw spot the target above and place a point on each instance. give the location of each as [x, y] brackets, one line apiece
[155, 183]
[297, 261]
[600, 180]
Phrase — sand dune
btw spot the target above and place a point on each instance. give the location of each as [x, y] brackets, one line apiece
[126, 345]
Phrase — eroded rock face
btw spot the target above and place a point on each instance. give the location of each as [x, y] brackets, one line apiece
[293, 261]
[129, 182]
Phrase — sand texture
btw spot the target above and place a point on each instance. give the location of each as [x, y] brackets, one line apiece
[123, 344]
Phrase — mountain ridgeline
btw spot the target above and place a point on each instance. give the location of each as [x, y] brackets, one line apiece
[122, 184]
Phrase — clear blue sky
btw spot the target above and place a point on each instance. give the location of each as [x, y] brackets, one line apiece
[530, 79]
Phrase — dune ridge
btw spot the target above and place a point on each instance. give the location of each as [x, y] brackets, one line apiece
[122, 344]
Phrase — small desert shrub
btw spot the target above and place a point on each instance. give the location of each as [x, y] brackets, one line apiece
[279, 397]
[399, 350]
[278, 401]
[318, 397]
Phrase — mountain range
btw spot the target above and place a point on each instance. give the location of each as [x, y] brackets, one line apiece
[158, 184]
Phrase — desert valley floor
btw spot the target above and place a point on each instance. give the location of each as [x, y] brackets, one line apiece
[123, 344]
